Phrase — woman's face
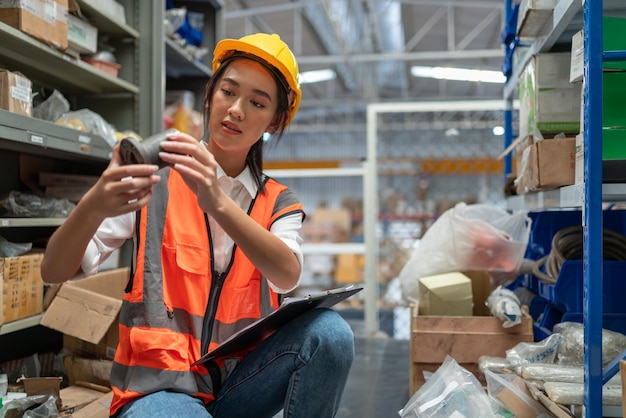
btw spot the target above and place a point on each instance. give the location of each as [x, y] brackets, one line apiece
[243, 107]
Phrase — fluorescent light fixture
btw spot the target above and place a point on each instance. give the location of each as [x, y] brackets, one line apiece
[316, 76]
[498, 130]
[460, 74]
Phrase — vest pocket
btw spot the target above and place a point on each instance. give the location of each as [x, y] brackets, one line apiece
[163, 350]
[192, 258]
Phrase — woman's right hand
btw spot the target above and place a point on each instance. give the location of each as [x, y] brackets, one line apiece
[121, 188]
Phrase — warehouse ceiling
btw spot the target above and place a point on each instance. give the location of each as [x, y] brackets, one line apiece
[371, 46]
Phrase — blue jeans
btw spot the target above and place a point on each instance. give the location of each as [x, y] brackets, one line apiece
[301, 369]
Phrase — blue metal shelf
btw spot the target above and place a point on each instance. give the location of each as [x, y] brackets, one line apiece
[593, 191]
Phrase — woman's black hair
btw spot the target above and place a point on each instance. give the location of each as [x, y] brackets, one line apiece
[254, 159]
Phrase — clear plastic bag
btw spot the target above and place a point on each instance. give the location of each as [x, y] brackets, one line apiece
[25, 407]
[29, 205]
[13, 249]
[452, 391]
[511, 391]
[468, 237]
[52, 108]
[544, 351]
[86, 120]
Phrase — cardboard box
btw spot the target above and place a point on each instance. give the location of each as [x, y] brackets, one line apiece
[549, 103]
[45, 20]
[463, 338]
[613, 37]
[61, 179]
[446, 294]
[97, 409]
[43, 385]
[547, 164]
[96, 371]
[579, 167]
[622, 372]
[533, 16]
[15, 93]
[82, 36]
[76, 398]
[87, 310]
[22, 287]
[481, 289]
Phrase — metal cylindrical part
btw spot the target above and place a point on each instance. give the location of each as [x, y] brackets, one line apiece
[146, 151]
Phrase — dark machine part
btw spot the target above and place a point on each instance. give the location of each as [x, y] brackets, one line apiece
[145, 151]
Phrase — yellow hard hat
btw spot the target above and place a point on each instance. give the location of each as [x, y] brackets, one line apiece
[272, 50]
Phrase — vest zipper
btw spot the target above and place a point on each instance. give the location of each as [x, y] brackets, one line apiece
[209, 317]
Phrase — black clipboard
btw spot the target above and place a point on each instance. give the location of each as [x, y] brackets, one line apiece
[264, 327]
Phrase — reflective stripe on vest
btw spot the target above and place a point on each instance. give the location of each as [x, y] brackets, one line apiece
[167, 316]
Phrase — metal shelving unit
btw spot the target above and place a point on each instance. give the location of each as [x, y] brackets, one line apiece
[590, 195]
[134, 100]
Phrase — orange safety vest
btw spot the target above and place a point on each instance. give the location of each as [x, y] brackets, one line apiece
[176, 307]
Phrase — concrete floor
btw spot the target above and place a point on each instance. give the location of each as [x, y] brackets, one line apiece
[378, 384]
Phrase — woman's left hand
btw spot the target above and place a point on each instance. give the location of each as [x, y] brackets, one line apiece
[196, 165]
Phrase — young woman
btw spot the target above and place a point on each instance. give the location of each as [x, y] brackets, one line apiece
[216, 243]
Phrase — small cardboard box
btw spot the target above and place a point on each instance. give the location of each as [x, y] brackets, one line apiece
[463, 338]
[45, 20]
[87, 310]
[82, 36]
[446, 294]
[547, 164]
[15, 93]
[22, 287]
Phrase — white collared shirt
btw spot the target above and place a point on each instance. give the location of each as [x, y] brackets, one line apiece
[113, 232]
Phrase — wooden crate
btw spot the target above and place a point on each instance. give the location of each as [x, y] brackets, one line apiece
[464, 338]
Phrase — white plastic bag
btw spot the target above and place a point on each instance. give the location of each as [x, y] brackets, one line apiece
[452, 391]
[467, 237]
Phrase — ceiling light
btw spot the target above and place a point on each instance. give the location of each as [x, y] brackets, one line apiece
[498, 130]
[316, 76]
[452, 132]
[461, 74]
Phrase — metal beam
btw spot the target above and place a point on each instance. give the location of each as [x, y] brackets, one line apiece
[402, 56]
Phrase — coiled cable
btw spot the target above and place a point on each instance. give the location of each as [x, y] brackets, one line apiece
[567, 244]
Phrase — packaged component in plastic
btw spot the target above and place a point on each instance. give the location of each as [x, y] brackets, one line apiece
[452, 391]
[573, 393]
[86, 120]
[29, 205]
[544, 351]
[571, 349]
[52, 108]
[494, 364]
[552, 372]
[511, 391]
[505, 305]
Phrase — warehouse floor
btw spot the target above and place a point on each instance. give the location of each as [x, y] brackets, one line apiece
[378, 384]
